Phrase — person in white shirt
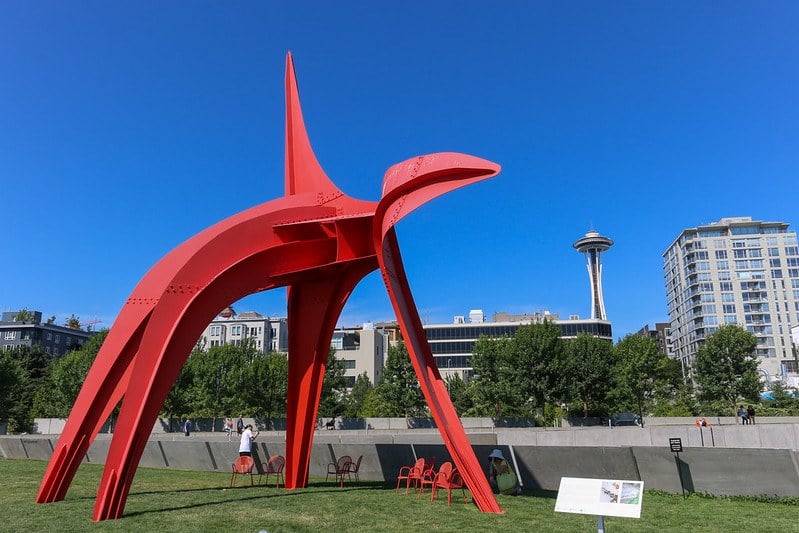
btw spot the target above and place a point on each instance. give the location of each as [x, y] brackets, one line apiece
[247, 436]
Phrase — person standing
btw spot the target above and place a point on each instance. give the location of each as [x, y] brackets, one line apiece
[240, 424]
[750, 414]
[228, 428]
[247, 436]
[187, 427]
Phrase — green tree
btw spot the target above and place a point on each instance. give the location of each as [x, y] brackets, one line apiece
[460, 393]
[267, 385]
[356, 399]
[334, 387]
[59, 389]
[725, 367]
[534, 367]
[220, 382]
[636, 374]
[591, 371]
[73, 322]
[13, 383]
[491, 393]
[398, 391]
[23, 315]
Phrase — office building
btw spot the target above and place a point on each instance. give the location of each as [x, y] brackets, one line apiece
[735, 271]
[362, 350]
[452, 345]
[55, 340]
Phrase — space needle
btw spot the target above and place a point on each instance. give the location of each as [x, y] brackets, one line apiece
[592, 245]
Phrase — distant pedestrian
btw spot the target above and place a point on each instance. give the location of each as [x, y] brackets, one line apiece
[742, 414]
[240, 424]
[187, 427]
[228, 428]
[750, 414]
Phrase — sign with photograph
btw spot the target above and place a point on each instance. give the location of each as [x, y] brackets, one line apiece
[600, 497]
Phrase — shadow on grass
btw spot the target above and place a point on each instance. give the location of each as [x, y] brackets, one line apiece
[315, 488]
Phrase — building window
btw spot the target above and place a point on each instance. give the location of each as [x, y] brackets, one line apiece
[792, 250]
[235, 330]
[49, 337]
[11, 335]
[216, 331]
[348, 364]
[721, 254]
[58, 339]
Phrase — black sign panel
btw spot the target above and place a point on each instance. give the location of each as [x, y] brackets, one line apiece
[676, 445]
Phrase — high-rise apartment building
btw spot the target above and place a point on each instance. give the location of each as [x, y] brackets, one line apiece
[735, 271]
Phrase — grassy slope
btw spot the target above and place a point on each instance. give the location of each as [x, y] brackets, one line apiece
[201, 501]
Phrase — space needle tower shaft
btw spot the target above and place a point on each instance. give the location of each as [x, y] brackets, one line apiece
[592, 245]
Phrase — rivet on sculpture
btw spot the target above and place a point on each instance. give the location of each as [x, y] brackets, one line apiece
[317, 242]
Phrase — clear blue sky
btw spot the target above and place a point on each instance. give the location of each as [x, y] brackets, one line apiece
[126, 128]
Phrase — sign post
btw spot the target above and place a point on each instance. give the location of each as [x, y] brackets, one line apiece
[676, 447]
[600, 497]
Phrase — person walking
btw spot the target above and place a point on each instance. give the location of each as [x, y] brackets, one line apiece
[187, 427]
[240, 424]
[247, 436]
[750, 414]
[742, 414]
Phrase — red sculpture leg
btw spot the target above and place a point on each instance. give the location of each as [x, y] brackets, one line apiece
[406, 186]
[313, 309]
[103, 388]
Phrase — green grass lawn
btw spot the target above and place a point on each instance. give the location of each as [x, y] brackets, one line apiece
[169, 500]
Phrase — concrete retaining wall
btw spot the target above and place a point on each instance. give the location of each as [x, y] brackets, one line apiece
[720, 471]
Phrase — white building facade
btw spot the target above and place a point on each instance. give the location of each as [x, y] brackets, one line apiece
[735, 271]
[361, 350]
[268, 334]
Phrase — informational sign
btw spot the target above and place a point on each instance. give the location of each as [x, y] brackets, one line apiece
[600, 497]
[675, 444]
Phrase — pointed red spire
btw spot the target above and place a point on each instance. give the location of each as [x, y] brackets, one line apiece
[303, 172]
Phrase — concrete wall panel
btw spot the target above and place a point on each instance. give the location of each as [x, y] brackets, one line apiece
[11, 448]
[776, 437]
[191, 455]
[153, 456]
[542, 467]
[40, 449]
[98, 451]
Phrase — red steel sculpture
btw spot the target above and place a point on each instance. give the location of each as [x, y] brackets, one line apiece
[317, 242]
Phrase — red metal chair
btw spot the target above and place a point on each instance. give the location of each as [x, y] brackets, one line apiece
[274, 466]
[428, 476]
[355, 467]
[447, 478]
[340, 469]
[243, 466]
[410, 473]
